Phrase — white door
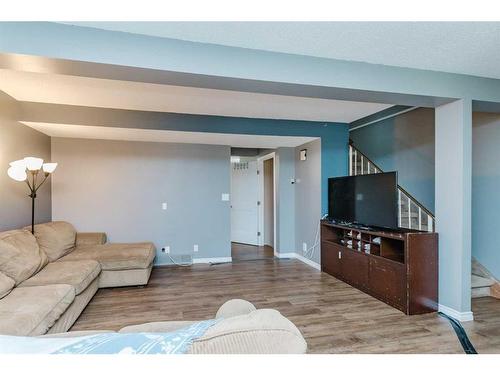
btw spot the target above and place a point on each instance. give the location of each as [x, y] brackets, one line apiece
[244, 196]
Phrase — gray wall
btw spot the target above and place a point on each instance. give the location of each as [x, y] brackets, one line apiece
[404, 143]
[485, 188]
[118, 187]
[16, 142]
[308, 197]
[285, 207]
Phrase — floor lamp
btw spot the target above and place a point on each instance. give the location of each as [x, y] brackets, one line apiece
[28, 170]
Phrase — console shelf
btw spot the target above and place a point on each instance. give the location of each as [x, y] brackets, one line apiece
[398, 268]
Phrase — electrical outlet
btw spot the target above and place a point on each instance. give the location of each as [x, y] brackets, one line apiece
[164, 206]
[166, 249]
[304, 247]
[195, 248]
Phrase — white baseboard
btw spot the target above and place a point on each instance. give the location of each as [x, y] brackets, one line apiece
[212, 260]
[305, 260]
[460, 316]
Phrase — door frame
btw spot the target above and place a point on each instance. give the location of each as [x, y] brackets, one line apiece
[260, 224]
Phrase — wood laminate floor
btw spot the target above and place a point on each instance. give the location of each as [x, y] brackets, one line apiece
[243, 252]
[333, 316]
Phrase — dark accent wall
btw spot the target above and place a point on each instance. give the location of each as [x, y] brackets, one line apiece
[16, 142]
[404, 143]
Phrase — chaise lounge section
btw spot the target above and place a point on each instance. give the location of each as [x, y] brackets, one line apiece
[47, 279]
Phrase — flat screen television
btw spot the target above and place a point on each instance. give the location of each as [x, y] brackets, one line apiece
[369, 200]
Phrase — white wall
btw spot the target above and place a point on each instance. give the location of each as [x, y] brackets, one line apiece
[118, 187]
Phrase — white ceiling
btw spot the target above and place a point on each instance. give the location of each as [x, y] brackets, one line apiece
[147, 135]
[92, 92]
[459, 47]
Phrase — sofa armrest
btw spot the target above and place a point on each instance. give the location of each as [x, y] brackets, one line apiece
[263, 331]
[90, 238]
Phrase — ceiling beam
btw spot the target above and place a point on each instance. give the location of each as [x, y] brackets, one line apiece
[122, 118]
[45, 65]
[210, 65]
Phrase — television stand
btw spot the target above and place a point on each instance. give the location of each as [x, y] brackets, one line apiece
[399, 268]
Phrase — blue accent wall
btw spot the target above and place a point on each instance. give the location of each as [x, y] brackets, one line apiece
[404, 143]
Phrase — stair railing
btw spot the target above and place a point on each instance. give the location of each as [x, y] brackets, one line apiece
[411, 213]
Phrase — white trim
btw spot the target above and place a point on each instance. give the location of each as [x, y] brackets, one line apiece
[399, 207]
[308, 261]
[212, 260]
[383, 118]
[305, 260]
[260, 226]
[350, 161]
[354, 173]
[460, 316]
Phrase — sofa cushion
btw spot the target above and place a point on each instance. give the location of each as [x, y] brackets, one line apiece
[79, 274]
[20, 255]
[56, 238]
[116, 256]
[90, 238]
[234, 307]
[33, 310]
[6, 285]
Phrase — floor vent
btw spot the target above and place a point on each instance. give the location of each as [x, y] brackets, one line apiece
[181, 259]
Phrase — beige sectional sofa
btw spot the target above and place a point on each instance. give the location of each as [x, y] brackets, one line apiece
[48, 278]
[241, 329]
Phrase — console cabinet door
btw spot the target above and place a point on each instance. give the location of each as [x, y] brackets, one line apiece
[330, 261]
[354, 266]
[388, 281]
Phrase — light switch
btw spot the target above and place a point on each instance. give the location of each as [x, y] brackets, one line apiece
[164, 206]
[225, 197]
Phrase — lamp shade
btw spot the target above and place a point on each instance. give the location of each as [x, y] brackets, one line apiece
[49, 167]
[33, 164]
[17, 173]
[18, 163]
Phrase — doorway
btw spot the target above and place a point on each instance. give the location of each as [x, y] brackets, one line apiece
[253, 203]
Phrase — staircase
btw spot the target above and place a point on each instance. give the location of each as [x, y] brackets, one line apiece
[482, 282]
[411, 213]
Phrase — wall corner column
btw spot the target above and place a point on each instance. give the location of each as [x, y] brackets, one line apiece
[453, 206]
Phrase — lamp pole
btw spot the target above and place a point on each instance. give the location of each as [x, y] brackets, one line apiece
[33, 189]
[33, 196]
